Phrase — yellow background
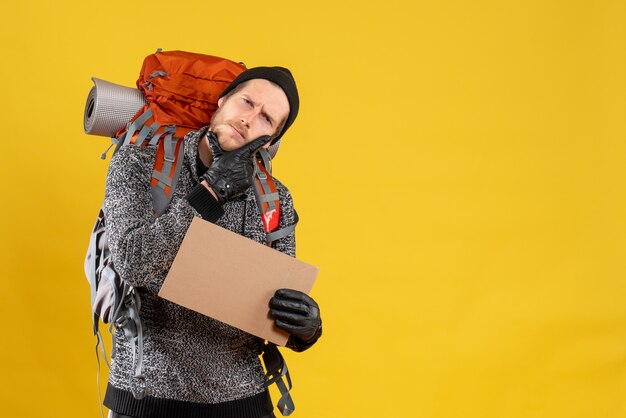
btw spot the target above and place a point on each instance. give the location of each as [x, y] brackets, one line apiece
[458, 167]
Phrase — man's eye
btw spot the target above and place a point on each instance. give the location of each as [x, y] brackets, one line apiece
[248, 102]
[267, 119]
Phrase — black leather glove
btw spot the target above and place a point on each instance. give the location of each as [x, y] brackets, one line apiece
[296, 313]
[231, 172]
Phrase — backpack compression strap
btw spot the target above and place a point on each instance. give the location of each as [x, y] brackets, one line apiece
[277, 369]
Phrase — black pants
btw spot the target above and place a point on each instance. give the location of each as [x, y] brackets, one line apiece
[116, 415]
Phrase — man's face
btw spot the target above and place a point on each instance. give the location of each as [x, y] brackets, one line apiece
[256, 109]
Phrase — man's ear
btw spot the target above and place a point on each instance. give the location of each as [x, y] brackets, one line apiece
[219, 102]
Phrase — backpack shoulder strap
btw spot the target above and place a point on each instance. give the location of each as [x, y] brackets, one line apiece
[267, 199]
[167, 167]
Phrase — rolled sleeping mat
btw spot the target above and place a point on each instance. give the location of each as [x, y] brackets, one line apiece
[110, 106]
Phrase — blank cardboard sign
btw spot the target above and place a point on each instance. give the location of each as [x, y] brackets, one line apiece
[231, 278]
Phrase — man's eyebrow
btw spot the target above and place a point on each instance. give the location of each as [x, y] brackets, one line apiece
[264, 113]
[272, 120]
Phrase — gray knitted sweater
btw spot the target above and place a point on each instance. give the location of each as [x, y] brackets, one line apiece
[188, 357]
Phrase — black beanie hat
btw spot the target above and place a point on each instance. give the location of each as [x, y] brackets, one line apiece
[277, 75]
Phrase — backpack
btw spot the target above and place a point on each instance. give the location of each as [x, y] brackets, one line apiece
[177, 93]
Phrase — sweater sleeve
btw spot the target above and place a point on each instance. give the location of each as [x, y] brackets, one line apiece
[143, 248]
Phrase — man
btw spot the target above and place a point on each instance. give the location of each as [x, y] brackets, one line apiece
[195, 366]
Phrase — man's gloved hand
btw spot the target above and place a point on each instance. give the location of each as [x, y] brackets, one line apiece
[231, 172]
[296, 313]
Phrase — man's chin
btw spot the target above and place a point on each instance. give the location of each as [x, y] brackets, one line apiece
[227, 140]
[228, 143]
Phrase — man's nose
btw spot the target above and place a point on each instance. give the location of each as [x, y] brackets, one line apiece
[248, 117]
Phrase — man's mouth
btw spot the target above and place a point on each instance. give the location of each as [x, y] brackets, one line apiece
[237, 132]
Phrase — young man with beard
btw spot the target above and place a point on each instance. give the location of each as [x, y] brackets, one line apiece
[195, 366]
